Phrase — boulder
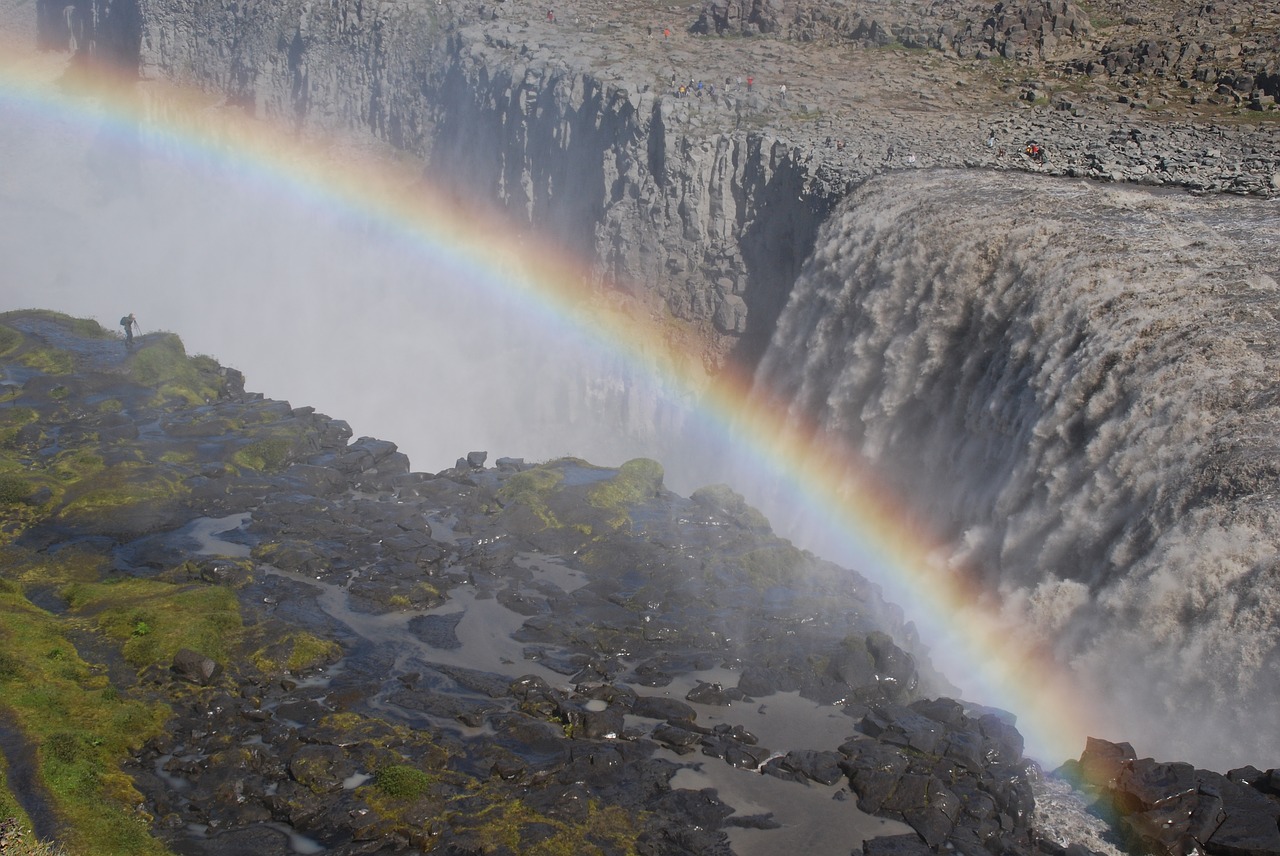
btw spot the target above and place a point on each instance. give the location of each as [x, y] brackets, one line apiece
[195, 667]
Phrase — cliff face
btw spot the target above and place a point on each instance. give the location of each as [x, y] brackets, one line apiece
[706, 204]
[610, 172]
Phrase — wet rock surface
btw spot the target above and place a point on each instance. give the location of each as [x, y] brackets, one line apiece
[424, 659]
[1175, 808]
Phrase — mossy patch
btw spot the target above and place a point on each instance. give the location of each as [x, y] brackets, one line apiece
[163, 363]
[82, 727]
[267, 455]
[532, 490]
[295, 653]
[637, 480]
[121, 486]
[512, 825]
[51, 361]
[778, 565]
[402, 782]
[10, 340]
[202, 618]
[14, 489]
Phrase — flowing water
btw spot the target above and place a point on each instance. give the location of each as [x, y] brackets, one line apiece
[1076, 385]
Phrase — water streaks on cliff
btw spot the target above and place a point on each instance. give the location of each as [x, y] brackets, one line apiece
[1073, 384]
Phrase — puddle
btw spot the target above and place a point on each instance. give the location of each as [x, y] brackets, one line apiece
[214, 536]
[483, 631]
[816, 820]
[781, 722]
[552, 570]
[355, 780]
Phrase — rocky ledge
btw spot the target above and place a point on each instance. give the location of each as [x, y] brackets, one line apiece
[230, 627]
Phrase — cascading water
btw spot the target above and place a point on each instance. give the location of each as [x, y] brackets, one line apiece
[1075, 384]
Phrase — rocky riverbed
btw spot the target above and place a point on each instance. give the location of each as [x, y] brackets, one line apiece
[315, 648]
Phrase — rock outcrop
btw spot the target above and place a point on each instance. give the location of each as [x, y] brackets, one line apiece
[1173, 808]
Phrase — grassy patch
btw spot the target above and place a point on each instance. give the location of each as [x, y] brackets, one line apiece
[120, 486]
[532, 489]
[155, 619]
[402, 782]
[269, 455]
[83, 730]
[512, 825]
[60, 568]
[48, 361]
[296, 652]
[14, 489]
[163, 363]
[636, 481]
[10, 339]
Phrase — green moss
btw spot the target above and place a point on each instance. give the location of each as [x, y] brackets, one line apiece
[120, 486]
[296, 652]
[163, 363]
[402, 782]
[202, 618]
[17, 417]
[110, 405]
[48, 361]
[14, 489]
[636, 481]
[82, 732]
[65, 566]
[772, 566]
[10, 340]
[532, 489]
[513, 825]
[269, 455]
[84, 327]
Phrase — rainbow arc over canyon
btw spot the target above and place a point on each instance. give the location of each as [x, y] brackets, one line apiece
[832, 482]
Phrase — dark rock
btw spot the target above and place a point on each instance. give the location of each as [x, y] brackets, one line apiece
[195, 667]
[660, 707]
[896, 845]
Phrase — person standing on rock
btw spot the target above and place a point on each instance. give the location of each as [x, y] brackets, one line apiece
[128, 322]
[750, 81]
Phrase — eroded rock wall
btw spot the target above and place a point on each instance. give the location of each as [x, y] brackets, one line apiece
[714, 223]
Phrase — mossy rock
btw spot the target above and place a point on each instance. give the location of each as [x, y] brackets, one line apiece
[162, 363]
[14, 489]
[296, 653]
[10, 340]
[125, 499]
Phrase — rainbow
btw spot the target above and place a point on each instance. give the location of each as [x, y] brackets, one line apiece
[829, 481]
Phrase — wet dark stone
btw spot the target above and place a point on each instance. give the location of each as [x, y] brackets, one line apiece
[703, 807]
[680, 739]
[896, 845]
[438, 631]
[709, 693]
[258, 840]
[660, 707]
[195, 667]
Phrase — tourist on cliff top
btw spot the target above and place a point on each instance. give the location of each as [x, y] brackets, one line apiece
[128, 322]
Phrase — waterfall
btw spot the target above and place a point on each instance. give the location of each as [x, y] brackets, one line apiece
[1076, 385]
